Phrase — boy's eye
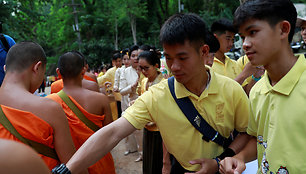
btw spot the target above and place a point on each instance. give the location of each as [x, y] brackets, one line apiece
[167, 58]
[252, 32]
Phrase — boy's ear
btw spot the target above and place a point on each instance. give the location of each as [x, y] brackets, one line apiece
[36, 66]
[285, 29]
[204, 50]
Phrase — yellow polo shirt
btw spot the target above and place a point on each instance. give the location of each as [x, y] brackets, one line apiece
[278, 121]
[229, 69]
[241, 62]
[224, 105]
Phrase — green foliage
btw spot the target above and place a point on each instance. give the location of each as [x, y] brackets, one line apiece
[50, 23]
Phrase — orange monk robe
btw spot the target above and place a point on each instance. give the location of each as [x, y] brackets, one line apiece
[31, 127]
[80, 133]
[57, 86]
[86, 77]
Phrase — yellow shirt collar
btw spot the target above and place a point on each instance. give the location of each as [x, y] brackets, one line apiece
[287, 83]
[226, 59]
[181, 91]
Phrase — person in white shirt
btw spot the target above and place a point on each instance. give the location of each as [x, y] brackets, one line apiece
[128, 84]
[130, 141]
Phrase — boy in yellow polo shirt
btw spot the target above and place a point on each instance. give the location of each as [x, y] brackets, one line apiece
[219, 100]
[277, 122]
[108, 79]
[225, 32]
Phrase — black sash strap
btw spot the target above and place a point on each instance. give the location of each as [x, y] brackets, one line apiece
[209, 133]
[77, 111]
[38, 147]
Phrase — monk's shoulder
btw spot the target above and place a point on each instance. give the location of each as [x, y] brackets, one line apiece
[50, 110]
[90, 85]
[97, 97]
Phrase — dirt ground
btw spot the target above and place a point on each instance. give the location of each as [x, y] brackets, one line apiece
[125, 164]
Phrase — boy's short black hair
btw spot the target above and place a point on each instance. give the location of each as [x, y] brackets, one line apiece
[213, 43]
[181, 27]
[24, 54]
[70, 64]
[222, 25]
[272, 11]
[145, 47]
[117, 55]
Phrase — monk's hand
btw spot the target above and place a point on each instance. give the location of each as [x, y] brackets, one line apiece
[209, 166]
[231, 165]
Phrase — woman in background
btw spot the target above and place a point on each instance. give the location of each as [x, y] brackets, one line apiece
[149, 64]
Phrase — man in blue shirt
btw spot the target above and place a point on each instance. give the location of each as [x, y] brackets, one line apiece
[3, 51]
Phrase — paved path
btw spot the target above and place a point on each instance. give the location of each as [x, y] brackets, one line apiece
[123, 164]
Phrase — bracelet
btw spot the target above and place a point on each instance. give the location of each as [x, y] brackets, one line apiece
[228, 152]
[218, 162]
[255, 78]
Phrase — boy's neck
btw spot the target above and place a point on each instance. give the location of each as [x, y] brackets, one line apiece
[72, 83]
[280, 65]
[198, 84]
[15, 81]
[220, 56]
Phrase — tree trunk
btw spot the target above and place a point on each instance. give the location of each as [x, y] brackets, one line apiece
[116, 34]
[242, 1]
[133, 27]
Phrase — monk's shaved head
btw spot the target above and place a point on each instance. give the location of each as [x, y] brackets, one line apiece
[70, 64]
[23, 55]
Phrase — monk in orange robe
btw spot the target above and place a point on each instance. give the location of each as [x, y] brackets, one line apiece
[93, 105]
[36, 118]
[87, 84]
[88, 75]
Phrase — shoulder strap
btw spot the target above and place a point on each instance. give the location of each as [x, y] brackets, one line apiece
[77, 111]
[4, 42]
[194, 117]
[38, 147]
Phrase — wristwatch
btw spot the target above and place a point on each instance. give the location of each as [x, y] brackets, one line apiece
[61, 169]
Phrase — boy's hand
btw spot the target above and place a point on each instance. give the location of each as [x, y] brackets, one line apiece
[231, 165]
[209, 166]
[260, 70]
